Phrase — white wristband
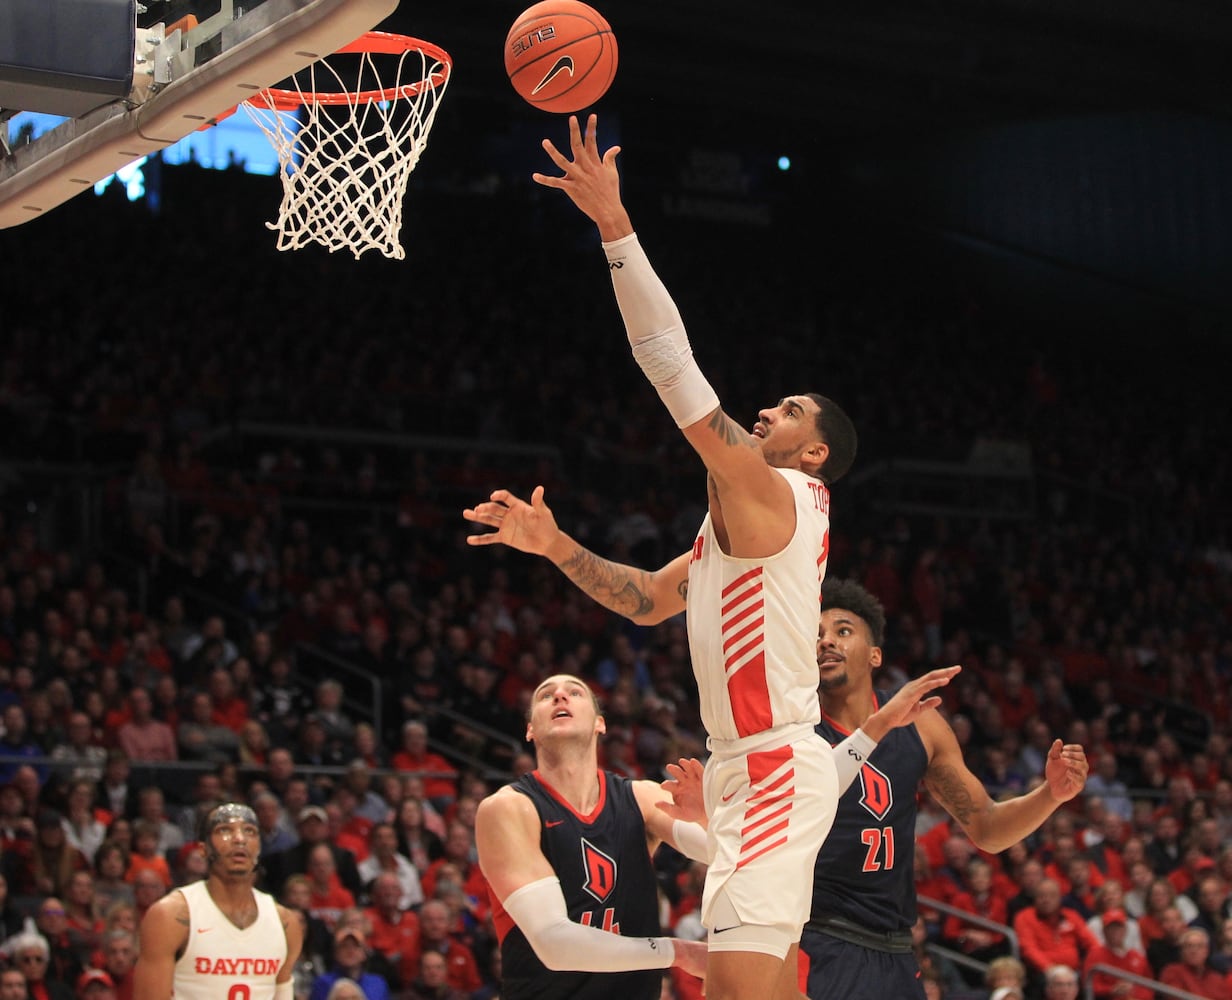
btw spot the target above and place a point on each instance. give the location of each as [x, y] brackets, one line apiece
[850, 755]
[539, 911]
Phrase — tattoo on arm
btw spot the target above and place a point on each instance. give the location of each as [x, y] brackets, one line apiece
[609, 583]
[182, 919]
[727, 429]
[947, 787]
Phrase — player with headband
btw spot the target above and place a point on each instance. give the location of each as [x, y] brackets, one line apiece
[220, 938]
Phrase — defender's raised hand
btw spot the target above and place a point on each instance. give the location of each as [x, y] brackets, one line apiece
[1066, 770]
[527, 527]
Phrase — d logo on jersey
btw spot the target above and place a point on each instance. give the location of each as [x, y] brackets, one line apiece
[600, 871]
[877, 794]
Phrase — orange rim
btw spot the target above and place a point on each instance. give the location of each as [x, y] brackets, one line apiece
[380, 42]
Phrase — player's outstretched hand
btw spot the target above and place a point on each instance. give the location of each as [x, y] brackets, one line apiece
[590, 179]
[528, 527]
[685, 788]
[911, 701]
[1066, 770]
[690, 957]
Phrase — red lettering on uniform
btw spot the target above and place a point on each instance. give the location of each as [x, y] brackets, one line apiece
[610, 923]
[821, 497]
[237, 966]
[600, 871]
[878, 842]
[696, 555]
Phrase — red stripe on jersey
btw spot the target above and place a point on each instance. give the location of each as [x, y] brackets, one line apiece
[752, 628]
[750, 596]
[750, 696]
[769, 817]
[731, 621]
[746, 652]
[757, 854]
[747, 845]
[775, 785]
[741, 580]
[763, 763]
[770, 803]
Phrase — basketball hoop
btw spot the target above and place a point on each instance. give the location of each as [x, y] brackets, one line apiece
[345, 159]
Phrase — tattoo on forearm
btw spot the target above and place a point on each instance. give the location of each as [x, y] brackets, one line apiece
[182, 920]
[608, 583]
[731, 432]
[947, 787]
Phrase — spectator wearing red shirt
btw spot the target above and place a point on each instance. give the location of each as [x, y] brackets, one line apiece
[1064, 851]
[328, 897]
[1050, 934]
[434, 921]
[439, 776]
[928, 884]
[1115, 953]
[1192, 973]
[395, 931]
[229, 709]
[979, 898]
[459, 851]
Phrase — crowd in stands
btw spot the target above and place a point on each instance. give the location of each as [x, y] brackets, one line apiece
[160, 666]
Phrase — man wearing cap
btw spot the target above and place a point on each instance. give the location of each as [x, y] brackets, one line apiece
[351, 962]
[220, 938]
[312, 824]
[1115, 954]
[95, 984]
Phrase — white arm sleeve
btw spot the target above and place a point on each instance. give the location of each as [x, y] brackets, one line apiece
[691, 840]
[539, 910]
[850, 755]
[656, 333]
[285, 991]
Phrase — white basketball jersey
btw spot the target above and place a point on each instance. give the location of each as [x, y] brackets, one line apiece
[223, 962]
[753, 625]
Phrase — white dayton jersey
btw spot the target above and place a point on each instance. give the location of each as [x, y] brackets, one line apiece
[223, 962]
[753, 626]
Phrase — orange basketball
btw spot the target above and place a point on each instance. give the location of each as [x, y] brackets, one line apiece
[560, 55]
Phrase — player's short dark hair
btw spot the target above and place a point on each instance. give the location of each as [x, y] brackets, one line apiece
[839, 433]
[850, 596]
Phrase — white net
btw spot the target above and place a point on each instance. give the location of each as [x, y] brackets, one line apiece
[346, 156]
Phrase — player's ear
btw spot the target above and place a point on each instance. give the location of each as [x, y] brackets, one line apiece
[874, 657]
[600, 725]
[815, 456]
[530, 733]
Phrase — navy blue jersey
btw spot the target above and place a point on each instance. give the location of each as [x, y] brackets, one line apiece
[603, 862]
[865, 872]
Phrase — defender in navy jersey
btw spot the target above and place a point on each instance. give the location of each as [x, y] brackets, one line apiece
[567, 854]
[857, 943]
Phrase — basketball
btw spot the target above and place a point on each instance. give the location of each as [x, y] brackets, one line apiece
[560, 55]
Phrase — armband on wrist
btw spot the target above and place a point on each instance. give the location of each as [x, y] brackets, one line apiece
[850, 755]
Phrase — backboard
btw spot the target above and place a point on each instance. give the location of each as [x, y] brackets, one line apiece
[190, 63]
